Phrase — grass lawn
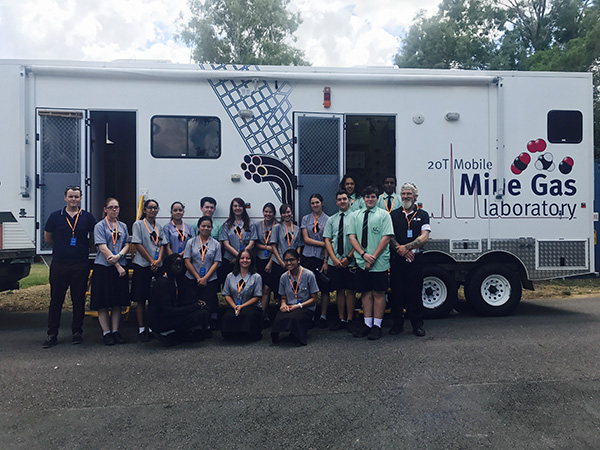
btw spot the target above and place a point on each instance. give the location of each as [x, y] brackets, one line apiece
[37, 276]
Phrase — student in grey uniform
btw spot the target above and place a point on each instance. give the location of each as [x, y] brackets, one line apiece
[313, 253]
[289, 236]
[341, 263]
[202, 256]
[264, 235]
[242, 291]
[178, 233]
[236, 236]
[149, 240]
[298, 289]
[110, 283]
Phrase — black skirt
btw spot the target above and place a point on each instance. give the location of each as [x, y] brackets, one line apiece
[140, 283]
[248, 324]
[108, 288]
[297, 322]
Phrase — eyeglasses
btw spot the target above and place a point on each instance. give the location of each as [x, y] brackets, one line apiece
[112, 207]
[152, 208]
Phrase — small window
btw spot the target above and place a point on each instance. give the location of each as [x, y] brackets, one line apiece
[186, 137]
[565, 127]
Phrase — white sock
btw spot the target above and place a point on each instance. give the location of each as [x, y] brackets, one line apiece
[344, 320]
[142, 329]
[105, 333]
[323, 317]
[377, 322]
[369, 322]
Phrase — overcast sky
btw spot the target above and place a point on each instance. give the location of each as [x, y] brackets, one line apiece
[333, 32]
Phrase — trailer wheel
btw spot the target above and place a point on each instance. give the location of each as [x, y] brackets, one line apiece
[493, 290]
[440, 292]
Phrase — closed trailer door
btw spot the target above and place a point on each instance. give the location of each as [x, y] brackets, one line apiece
[61, 162]
[318, 159]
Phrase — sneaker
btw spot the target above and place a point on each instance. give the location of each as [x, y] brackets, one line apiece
[77, 338]
[350, 326]
[375, 333]
[321, 323]
[144, 336]
[108, 339]
[51, 341]
[362, 331]
[118, 338]
[339, 325]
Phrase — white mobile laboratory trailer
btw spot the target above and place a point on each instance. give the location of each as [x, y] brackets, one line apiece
[502, 160]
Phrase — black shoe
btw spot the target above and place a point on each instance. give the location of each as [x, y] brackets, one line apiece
[419, 331]
[321, 323]
[396, 329]
[350, 326]
[51, 341]
[375, 333]
[77, 338]
[214, 325]
[362, 331]
[274, 338]
[266, 323]
[118, 338]
[144, 336]
[168, 340]
[339, 325]
[109, 339]
[208, 334]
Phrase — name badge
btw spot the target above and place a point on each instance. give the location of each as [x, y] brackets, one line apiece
[156, 254]
[202, 271]
[409, 233]
[73, 241]
[180, 249]
[239, 301]
[266, 253]
[242, 247]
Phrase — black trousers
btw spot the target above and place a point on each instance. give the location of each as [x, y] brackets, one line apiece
[63, 276]
[406, 280]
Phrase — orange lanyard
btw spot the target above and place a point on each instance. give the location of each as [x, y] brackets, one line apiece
[240, 233]
[406, 215]
[203, 248]
[150, 233]
[315, 223]
[181, 234]
[114, 233]
[240, 286]
[392, 206]
[295, 289]
[268, 235]
[76, 219]
[287, 235]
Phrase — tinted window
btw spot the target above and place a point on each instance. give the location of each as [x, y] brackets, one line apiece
[186, 137]
[565, 127]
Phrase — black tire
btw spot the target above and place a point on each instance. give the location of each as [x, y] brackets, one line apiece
[440, 292]
[493, 289]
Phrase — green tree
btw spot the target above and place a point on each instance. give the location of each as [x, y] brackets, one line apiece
[549, 35]
[242, 32]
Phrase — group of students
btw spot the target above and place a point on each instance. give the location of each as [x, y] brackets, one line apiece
[179, 268]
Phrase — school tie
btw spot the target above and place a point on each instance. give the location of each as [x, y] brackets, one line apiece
[365, 230]
[340, 241]
[389, 202]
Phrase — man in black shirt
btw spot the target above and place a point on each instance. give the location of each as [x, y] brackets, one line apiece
[411, 232]
[68, 230]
